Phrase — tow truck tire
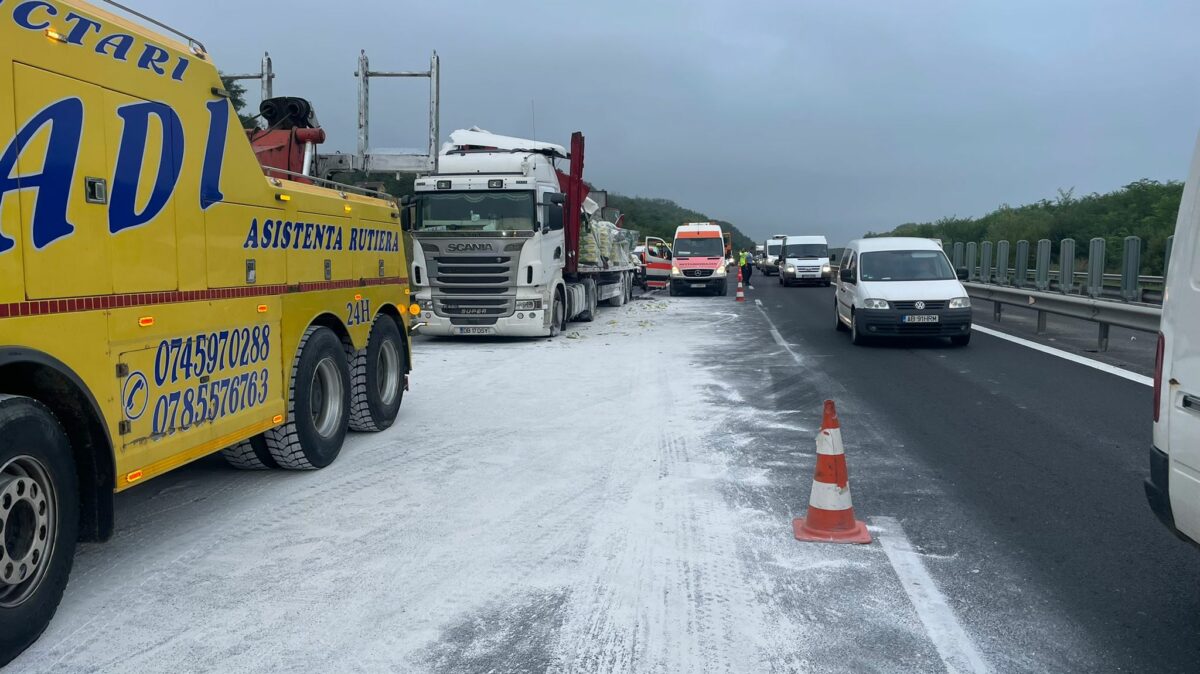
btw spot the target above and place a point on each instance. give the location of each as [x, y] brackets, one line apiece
[318, 411]
[250, 454]
[39, 520]
[377, 378]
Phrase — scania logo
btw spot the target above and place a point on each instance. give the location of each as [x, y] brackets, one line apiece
[468, 247]
[919, 305]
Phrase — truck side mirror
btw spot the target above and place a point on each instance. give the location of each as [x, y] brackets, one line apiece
[405, 218]
[556, 198]
[554, 213]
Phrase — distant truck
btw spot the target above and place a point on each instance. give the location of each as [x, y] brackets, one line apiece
[1173, 488]
[505, 243]
[699, 259]
[161, 299]
[805, 259]
[772, 248]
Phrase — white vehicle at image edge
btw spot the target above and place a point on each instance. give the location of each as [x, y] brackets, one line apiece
[900, 287]
[1173, 488]
[804, 259]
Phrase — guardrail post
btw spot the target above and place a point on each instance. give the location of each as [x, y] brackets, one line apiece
[1041, 322]
[1167, 259]
[1066, 266]
[1021, 277]
[972, 269]
[1103, 340]
[1041, 279]
[985, 261]
[957, 258]
[1131, 267]
[1002, 260]
[1095, 268]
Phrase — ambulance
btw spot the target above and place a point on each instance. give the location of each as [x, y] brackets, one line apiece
[699, 259]
[163, 294]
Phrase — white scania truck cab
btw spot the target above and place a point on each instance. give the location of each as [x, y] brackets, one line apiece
[506, 244]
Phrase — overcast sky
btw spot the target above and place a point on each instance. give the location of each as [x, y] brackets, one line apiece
[797, 116]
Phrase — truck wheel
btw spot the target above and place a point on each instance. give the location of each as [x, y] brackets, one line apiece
[556, 317]
[318, 404]
[589, 291]
[250, 454]
[377, 378]
[619, 299]
[39, 520]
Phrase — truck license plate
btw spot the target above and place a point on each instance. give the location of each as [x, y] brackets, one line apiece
[921, 318]
[474, 331]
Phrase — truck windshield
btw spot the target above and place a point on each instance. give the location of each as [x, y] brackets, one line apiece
[803, 250]
[905, 265]
[699, 247]
[475, 211]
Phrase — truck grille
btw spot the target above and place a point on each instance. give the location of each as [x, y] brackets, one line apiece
[912, 305]
[697, 273]
[472, 289]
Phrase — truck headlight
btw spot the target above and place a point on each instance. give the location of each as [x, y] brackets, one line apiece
[529, 305]
[875, 304]
[721, 271]
[960, 303]
[675, 271]
[825, 269]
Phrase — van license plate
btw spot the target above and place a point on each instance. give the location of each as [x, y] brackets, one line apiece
[474, 331]
[699, 285]
[920, 318]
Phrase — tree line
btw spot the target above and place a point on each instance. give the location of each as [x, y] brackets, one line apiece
[1145, 208]
[660, 217]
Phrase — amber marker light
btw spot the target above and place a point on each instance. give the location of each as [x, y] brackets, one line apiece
[414, 309]
[134, 476]
[146, 321]
[262, 308]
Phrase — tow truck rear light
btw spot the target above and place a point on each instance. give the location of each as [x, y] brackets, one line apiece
[1158, 368]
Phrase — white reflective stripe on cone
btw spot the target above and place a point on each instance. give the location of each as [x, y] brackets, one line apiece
[829, 497]
[829, 441]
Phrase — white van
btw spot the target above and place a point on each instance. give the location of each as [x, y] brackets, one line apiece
[772, 248]
[804, 259]
[1174, 485]
[900, 287]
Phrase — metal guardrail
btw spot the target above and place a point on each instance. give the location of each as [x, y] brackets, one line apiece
[1105, 313]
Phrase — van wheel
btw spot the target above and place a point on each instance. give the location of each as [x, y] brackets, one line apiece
[318, 404]
[39, 520]
[837, 318]
[377, 378]
[961, 340]
[856, 337]
[250, 454]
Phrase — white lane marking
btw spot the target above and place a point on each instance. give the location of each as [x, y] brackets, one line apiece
[778, 337]
[1094, 364]
[955, 647]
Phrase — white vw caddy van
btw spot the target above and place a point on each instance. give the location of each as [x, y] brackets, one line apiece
[900, 287]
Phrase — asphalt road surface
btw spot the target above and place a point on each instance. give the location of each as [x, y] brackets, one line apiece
[620, 500]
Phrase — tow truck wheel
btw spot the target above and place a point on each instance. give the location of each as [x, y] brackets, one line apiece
[318, 411]
[39, 519]
[377, 378]
[250, 454]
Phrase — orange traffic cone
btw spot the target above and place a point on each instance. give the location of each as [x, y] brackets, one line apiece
[741, 294]
[830, 512]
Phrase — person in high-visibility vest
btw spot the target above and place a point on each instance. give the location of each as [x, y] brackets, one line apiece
[746, 263]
